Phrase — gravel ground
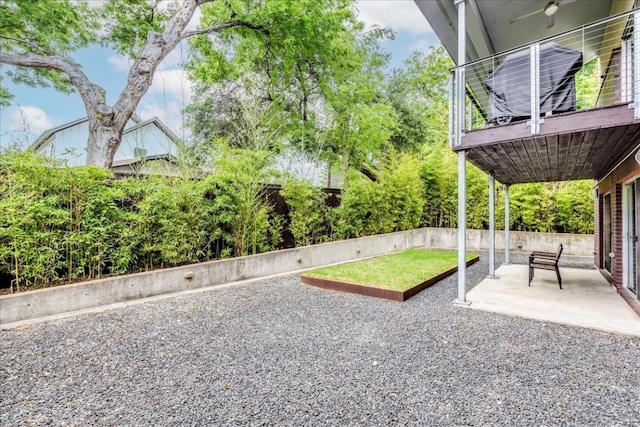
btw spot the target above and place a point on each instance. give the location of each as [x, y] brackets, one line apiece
[279, 353]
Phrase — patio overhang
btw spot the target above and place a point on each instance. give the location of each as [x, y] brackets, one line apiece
[570, 146]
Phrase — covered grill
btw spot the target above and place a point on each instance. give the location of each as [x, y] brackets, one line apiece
[510, 83]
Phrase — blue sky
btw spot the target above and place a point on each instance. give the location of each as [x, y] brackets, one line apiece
[35, 110]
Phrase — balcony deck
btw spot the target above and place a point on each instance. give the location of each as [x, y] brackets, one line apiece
[570, 146]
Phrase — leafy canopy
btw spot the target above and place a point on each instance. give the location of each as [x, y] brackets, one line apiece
[45, 27]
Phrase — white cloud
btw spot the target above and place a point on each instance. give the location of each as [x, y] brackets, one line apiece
[394, 14]
[22, 125]
[92, 3]
[148, 111]
[119, 62]
[173, 83]
[170, 114]
[176, 57]
[28, 119]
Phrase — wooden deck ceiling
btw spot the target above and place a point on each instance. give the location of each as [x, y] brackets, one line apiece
[570, 146]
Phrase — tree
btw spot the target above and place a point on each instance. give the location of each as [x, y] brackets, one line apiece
[360, 120]
[419, 94]
[323, 90]
[429, 75]
[361, 124]
[411, 131]
[587, 86]
[39, 37]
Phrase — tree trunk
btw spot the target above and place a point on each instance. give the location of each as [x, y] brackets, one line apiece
[103, 142]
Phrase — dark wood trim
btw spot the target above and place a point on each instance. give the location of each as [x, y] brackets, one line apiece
[565, 150]
[576, 121]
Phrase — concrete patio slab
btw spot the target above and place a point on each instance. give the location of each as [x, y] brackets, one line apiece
[586, 300]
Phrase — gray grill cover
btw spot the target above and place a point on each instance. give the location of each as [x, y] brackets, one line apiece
[510, 83]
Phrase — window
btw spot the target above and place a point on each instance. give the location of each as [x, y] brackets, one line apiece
[139, 152]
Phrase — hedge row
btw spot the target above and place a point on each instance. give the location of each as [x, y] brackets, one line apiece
[77, 223]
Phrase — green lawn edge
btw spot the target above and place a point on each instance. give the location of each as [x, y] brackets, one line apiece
[399, 271]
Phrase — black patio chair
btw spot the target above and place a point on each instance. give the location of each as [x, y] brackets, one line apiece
[545, 261]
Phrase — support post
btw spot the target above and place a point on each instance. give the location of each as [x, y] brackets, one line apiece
[462, 226]
[452, 110]
[492, 226]
[535, 88]
[636, 65]
[462, 155]
[460, 104]
[507, 242]
[461, 80]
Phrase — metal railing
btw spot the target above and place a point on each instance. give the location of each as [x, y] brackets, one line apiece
[588, 67]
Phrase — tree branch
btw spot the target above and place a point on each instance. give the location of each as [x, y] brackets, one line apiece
[92, 95]
[32, 45]
[218, 27]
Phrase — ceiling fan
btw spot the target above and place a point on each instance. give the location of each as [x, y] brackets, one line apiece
[549, 10]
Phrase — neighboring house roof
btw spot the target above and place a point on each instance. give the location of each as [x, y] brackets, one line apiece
[44, 137]
[155, 121]
[144, 140]
[128, 162]
[157, 164]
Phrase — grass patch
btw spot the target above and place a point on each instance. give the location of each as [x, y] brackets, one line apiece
[398, 272]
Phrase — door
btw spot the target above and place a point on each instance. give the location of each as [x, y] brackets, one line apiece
[636, 212]
[630, 220]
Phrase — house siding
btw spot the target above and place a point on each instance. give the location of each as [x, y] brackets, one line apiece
[613, 182]
[68, 143]
[616, 243]
[149, 138]
[624, 172]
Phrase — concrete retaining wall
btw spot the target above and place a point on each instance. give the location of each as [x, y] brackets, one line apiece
[62, 299]
[520, 241]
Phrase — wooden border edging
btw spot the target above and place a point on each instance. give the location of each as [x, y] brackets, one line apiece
[353, 288]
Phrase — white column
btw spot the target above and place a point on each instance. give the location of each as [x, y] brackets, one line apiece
[492, 226]
[462, 155]
[462, 226]
[535, 88]
[461, 80]
[507, 243]
[452, 109]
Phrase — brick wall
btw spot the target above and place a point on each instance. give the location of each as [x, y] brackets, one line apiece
[597, 231]
[616, 244]
[613, 183]
[635, 249]
[624, 172]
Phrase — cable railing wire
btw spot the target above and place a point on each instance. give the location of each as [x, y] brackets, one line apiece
[580, 69]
